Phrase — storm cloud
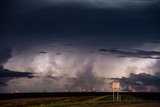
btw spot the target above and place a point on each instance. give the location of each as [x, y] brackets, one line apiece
[81, 26]
[140, 81]
[5, 54]
[134, 53]
[6, 75]
[104, 3]
[53, 44]
[86, 78]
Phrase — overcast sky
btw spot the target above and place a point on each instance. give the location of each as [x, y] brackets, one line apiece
[57, 45]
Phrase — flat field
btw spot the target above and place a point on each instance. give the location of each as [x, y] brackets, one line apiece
[74, 100]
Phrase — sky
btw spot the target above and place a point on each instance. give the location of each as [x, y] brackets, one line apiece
[59, 45]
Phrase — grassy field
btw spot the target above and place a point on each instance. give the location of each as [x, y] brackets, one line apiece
[68, 101]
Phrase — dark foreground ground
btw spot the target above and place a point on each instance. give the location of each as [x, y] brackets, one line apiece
[91, 99]
[155, 104]
[141, 95]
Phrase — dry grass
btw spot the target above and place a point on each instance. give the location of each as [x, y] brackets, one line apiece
[66, 101]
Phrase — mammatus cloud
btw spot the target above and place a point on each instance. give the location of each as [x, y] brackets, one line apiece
[134, 53]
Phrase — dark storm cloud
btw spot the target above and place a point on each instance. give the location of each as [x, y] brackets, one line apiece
[140, 81]
[4, 73]
[58, 53]
[86, 21]
[7, 75]
[5, 53]
[102, 3]
[133, 53]
[66, 76]
[155, 41]
[42, 52]
[42, 24]
[104, 27]
[69, 44]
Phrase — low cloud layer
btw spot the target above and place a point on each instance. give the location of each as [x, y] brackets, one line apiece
[140, 82]
[4, 73]
[133, 53]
